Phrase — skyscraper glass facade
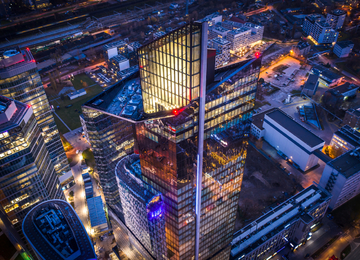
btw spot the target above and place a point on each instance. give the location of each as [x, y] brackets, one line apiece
[21, 81]
[27, 174]
[170, 69]
[167, 142]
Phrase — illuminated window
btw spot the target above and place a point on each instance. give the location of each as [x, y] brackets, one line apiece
[170, 69]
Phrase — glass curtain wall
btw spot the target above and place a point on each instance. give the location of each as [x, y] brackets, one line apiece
[170, 69]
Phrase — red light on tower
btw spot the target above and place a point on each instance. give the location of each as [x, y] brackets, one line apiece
[175, 112]
[257, 54]
[28, 105]
[27, 49]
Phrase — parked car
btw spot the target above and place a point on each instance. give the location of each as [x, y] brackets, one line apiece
[69, 106]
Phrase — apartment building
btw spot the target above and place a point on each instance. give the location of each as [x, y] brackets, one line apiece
[343, 49]
[336, 19]
[318, 30]
[222, 48]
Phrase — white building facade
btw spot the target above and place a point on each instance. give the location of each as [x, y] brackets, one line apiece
[343, 49]
[292, 139]
[341, 178]
[336, 19]
[318, 30]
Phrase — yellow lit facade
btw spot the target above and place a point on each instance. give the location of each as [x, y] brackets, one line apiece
[170, 70]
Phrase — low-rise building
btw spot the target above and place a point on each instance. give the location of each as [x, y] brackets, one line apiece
[318, 30]
[76, 94]
[289, 224]
[311, 85]
[352, 118]
[346, 139]
[119, 63]
[301, 49]
[336, 19]
[290, 138]
[347, 89]
[326, 76]
[114, 49]
[257, 129]
[97, 215]
[341, 178]
[89, 191]
[222, 48]
[343, 49]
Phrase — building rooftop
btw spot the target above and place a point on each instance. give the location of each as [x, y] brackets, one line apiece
[338, 12]
[239, 31]
[220, 41]
[119, 58]
[311, 82]
[96, 211]
[325, 72]
[11, 113]
[315, 18]
[349, 134]
[210, 17]
[323, 24]
[114, 44]
[134, 45]
[348, 163]
[252, 25]
[20, 61]
[231, 24]
[219, 29]
[295, 128]
[277, 219]
[302, 45]
[55, 232]
[345, 44]
[345, 87]
[258, 119]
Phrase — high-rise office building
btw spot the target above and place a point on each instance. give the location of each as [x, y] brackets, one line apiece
[27, 175]
[143, 206]
[56, 232]
[160, 112]
[20, 80]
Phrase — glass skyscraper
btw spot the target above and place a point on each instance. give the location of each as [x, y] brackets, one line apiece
[20, 80]
[165, 125]
[27, 174]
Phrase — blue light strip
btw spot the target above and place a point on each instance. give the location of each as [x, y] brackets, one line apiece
[197, 184]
